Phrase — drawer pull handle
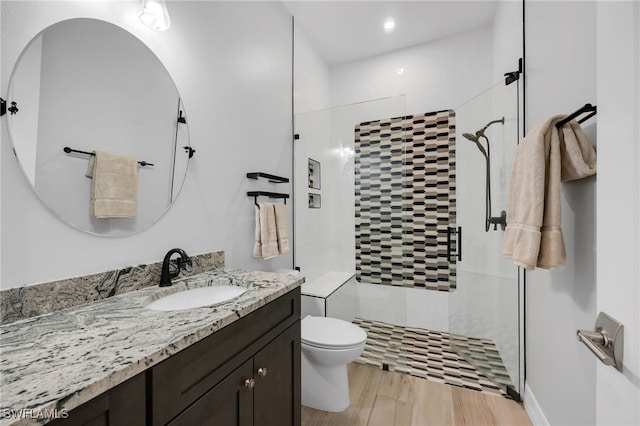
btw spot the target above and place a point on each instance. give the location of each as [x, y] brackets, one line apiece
[249, 383]
[262, 371]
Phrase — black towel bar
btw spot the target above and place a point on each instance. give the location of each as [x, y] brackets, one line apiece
[271, 178]
[256, 194]
[591, 109]
[68, 150]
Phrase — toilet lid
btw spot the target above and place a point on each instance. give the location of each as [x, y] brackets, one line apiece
[326, 332]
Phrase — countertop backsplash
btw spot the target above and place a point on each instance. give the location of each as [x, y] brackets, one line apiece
[33, 300]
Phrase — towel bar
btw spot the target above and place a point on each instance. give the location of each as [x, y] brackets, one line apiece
[68, 150]
[592, 109]
[271, 178]
[256, 194]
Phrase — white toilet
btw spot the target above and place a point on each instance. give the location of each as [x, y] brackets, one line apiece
[328, 345]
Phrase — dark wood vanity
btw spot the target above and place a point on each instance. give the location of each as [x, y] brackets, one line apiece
[247, 373]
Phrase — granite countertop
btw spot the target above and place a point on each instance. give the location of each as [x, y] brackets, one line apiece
[63, 359]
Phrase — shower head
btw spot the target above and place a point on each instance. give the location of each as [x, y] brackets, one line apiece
[480, 133]
[472, 138]
[476, 139]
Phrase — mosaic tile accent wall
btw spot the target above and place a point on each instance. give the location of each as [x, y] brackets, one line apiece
[405, 200]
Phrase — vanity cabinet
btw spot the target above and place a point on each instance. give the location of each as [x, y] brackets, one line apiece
[247, 373]
[125, 404]
[261, 391]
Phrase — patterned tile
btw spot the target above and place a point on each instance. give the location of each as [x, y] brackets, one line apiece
[405, 200]
[429, 354]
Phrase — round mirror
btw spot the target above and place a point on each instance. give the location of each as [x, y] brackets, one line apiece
[83, 86]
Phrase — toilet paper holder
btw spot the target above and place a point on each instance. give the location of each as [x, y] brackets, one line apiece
[606, 342]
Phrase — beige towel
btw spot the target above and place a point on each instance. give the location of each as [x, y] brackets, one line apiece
[281, 227]
[257, 246]
[267, 245]
[114, 189]
[543, 159]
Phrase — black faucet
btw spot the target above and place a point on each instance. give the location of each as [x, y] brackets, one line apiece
[165, 278]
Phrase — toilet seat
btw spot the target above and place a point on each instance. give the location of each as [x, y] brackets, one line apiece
[331, 333]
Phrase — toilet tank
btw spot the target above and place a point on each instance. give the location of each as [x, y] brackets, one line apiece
[332, 295]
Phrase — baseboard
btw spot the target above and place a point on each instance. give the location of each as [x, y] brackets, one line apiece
[533, 408]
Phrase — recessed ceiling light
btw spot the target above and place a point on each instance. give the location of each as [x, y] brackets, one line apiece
[389, 25]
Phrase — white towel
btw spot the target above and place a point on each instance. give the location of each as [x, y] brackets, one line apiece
[114, 189]
[266, 244]
[544, 158]
[281, 227]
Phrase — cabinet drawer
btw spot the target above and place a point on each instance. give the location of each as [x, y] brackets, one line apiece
[181, 379]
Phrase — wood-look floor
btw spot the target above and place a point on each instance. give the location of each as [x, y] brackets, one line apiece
[382, 398]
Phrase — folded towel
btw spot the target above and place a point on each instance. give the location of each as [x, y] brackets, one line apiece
[114, 189]
[281, 227]
[544, 158]
[266, 223]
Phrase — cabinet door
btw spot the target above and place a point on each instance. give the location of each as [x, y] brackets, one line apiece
[277, 393]
[122, 405]
[229, 403]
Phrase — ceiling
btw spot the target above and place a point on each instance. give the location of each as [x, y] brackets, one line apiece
[344, 31]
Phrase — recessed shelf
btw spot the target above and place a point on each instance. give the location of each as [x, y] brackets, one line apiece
[314, 174]
[314, 201]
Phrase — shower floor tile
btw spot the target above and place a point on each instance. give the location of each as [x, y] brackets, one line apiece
[428, 354]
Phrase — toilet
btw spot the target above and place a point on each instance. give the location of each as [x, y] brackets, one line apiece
[328, 345]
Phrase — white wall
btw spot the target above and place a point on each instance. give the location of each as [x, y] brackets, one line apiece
[561, 77]
[231, 63]
[618, 273]
[434, 76]
[311, 76]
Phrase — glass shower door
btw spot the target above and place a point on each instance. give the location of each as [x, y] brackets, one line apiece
[485, 317]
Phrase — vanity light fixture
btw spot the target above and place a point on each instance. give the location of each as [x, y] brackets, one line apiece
[153, 13]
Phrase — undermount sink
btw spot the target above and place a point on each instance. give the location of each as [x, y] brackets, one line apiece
[197, 297]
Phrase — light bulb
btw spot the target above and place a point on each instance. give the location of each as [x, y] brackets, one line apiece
[389, 25]
[153, 13]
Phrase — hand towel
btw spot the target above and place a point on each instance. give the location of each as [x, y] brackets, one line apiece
[114, 189]
[281, 227]
[268, 234]
[257, 245]
[544, 158]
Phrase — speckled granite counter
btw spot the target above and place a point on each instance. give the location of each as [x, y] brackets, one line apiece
[63, 359]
